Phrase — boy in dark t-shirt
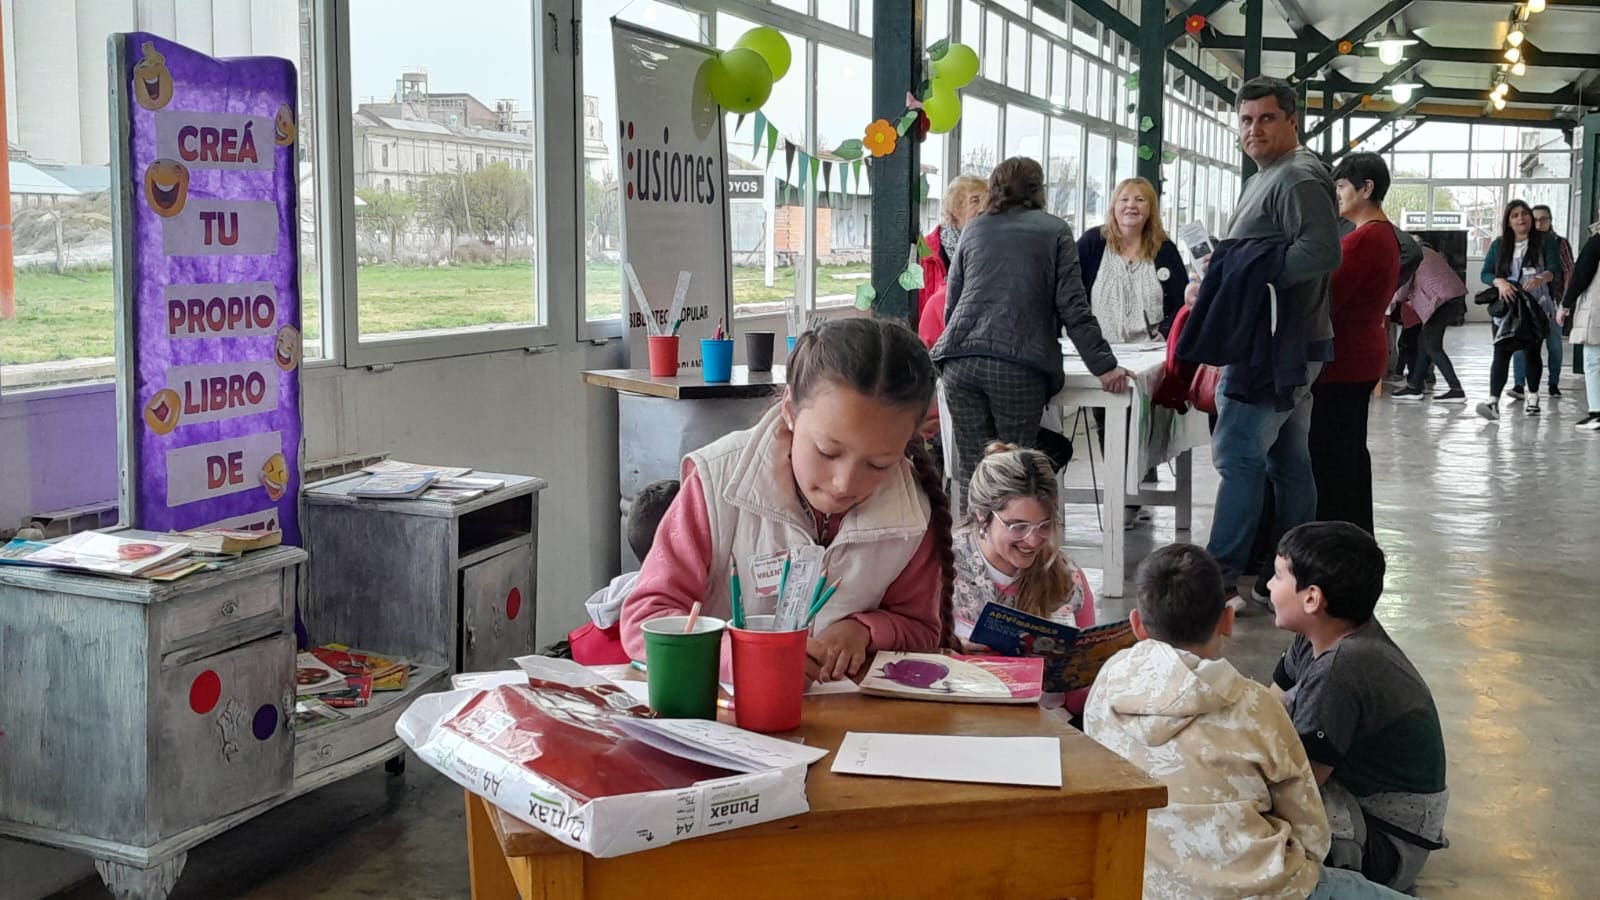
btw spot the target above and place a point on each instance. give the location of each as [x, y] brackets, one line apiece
[1366, 717]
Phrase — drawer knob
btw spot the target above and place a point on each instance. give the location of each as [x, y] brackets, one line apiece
[229, 608]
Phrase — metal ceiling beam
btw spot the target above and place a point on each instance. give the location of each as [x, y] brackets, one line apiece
[1377, 87]
[1566, 97]
[1175, 26]
[1105, 13]
[1216, 86]
[1322, 55]
[1402, 135]
[1383, 120]
[1422, 50]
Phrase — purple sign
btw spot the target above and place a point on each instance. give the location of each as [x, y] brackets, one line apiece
[209, 254]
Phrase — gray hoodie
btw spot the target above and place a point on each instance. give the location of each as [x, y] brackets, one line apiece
[1243, 816]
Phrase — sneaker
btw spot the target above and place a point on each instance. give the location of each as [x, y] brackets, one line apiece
[1392, 378]
[1260, 593]
[1590, 422]
[1489, 409]
[1516, 392]
[1236, 603]
[1453, 396]
[1532, 406]
[1555, 390]
[1408, 393]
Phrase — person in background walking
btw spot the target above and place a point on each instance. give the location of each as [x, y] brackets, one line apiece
[1361, 289]
[1520, 256]
[1438, 297]
[1578, 308]
[1545, 225]
[1014, 284]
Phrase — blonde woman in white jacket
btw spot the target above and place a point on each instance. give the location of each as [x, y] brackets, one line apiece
[1583, 295]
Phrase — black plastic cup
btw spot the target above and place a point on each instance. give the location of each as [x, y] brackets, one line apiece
[758, 350]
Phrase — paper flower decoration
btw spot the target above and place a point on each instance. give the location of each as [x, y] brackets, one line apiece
[880, 138]
[922, 125]
[1345, 47]
[1194, 24]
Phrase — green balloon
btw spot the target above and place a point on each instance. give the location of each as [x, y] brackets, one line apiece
[958, 67]
[943, 109]
[740, 80]
[771, 45]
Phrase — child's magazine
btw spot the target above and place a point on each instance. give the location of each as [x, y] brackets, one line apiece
[954, 678]
[1072, 658]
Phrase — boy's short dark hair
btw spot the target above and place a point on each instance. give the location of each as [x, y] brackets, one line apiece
[1180, 594]
[1341, 559]
[1264, 86]
[644, 517]
[1360, 168]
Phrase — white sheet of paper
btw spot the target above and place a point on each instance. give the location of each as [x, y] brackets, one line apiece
[842, 686]
[722, 745]
[1033, 761]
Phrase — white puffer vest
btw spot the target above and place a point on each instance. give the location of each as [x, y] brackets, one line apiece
[754, 513]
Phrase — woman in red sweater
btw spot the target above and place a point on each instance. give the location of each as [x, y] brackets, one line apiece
[1362, 286]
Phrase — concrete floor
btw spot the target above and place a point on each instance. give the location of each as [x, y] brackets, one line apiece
[1489, 529]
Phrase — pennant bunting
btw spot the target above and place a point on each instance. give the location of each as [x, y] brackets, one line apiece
[844, 178]
[805, 167]
[772, 142]
[761, 132]
[788, 160]
[816, 166]
[827, 177]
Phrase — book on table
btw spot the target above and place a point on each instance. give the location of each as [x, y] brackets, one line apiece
[17, 551]
[451, 495]
[399, 486]
[1072, 657]
[386, 673]
[470, 483]
[396, 467]
[230, 540]
[956, 678]
[313, 677]
[108, 554]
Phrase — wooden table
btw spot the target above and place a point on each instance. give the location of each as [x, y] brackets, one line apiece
[870, 837]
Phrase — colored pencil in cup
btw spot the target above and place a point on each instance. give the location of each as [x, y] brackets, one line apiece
[821, 602]
[737, 598]
[694, 614]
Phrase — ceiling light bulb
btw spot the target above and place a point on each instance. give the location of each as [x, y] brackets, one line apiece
[1521, 68]
[1390, 52]
[1535, 6]
[1515, 37]
[1402, 92]
[1501, 89]
[1499, 103]
[1513, 54]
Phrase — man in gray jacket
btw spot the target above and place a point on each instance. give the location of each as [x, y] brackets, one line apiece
[1290, 198]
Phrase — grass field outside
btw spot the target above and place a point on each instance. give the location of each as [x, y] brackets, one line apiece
[71, 316]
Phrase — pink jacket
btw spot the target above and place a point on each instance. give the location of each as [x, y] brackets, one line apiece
[1434, 285]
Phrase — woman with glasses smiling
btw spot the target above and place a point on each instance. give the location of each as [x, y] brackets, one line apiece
[1008, 551]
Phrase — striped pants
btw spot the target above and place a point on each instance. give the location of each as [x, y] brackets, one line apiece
[991, 400]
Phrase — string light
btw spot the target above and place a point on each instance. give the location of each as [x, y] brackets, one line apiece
[1520, 68]
[1515, 37]
[1499, 103]
[1535, 6]
[1513, 54]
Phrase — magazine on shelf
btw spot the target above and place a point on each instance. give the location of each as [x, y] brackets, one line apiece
[450, 495]
[309, 713]
[1072, 658]
[478, 483]
[225, 541]
[109, 554]
[313, 677]
[408, 486]
[16, 552]
[396, 467]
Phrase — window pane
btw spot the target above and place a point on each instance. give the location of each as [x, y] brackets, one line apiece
[1127, 162]
[934, 170]
[1077, 89]
[1449, 165]
[1489, 165]
[1065, 170]
[797, 5]
[602, 284]
[835, 11]
[444, 161]
[971, 24]
[935, 21]
[980, 137]
[1039, 68]
[1094, 180]
[994, 57]
[1017, 57]
[1058, 75]
[844, 218]
[59, 158]
[864, 20]
[1024, 133]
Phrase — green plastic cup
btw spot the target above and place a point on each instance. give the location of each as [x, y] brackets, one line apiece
[680, 668]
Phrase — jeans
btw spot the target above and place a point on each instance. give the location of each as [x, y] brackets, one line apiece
[1430, 347]
[1518, 364]
[1339, 458]
[1591, 376]
[1254, 444]
[1343, 884]
[1503, 353]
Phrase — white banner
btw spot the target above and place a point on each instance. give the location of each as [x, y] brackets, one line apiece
[673, 181]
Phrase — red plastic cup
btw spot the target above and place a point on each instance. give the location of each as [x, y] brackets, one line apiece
[663, 355]
[769, 675]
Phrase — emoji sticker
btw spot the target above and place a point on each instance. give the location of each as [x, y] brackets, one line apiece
[286, 349]
[161, 413]
[275, 476]
[152, 83]
[283, 126]
[166, 187]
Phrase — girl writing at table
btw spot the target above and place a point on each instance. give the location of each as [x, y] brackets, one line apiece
[1007, 551]
[836, 463]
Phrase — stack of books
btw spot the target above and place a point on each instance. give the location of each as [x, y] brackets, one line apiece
[395, 480]
[334, 677]
[153, 558]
